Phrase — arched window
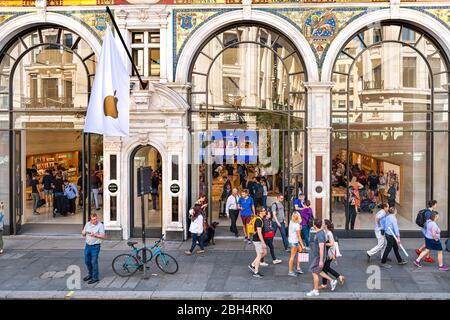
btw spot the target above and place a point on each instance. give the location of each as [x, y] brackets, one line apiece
[47, 69]
[390, 116]
[248, 113]
[46, 73]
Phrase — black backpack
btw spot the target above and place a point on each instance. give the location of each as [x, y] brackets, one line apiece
[420, 219]
[259, 191]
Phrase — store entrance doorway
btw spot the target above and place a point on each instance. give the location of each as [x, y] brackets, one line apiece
[146, 156]
[48, 168]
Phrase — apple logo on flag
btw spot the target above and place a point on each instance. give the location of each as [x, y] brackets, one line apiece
[110, 106]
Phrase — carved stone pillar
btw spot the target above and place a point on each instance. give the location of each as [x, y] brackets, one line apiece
[319, 100]
[113, 188]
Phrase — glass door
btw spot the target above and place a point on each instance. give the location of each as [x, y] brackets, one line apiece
[17, 182]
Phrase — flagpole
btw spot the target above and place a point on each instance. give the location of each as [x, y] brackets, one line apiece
[142, 82]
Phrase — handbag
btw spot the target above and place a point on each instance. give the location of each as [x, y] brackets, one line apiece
[269, 234]
[303, 256]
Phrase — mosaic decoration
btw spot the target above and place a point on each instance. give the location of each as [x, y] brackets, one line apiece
[50, 3]
[442, 14]
[96, 21]
[319, 26]
[185, 23]
[6, 16]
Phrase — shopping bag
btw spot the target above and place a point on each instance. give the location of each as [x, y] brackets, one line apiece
[303, 256]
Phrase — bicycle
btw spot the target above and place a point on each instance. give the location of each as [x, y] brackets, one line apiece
[126, 265]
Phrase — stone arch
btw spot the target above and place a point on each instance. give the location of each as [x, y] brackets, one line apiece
[14, 26]
[237, 16]
[434, 28]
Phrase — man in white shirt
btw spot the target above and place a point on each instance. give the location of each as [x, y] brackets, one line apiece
[94, 231]
[379, 232]
[232, 211]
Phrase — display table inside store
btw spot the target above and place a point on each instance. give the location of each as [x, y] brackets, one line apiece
[338, 194]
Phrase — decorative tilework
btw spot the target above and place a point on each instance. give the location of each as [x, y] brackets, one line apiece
[6, 16]
[320, 26]
[185, 23]
[96, 21]
[440, 13]
[32, 3]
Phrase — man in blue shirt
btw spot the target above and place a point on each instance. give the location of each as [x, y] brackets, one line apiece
[246, 206]
[432, 205]
[380, 228]
[71, 192]
[391, 230]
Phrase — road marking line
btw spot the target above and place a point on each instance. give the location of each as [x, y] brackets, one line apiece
[69, 295]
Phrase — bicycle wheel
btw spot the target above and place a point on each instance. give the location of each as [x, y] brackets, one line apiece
[125, 265]
[140, 255]
[167, 263]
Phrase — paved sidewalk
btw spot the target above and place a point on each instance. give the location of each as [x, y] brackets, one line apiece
[36, 268]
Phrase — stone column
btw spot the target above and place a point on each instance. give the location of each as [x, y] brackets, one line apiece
[113, 146]
[319, 130]
[121, 19]
[164, 52]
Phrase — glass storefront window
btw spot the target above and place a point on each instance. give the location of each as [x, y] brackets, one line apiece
[48, 96]
[390, 126]
[248, 117]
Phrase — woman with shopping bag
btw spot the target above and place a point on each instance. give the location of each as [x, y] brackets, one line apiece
[332, 254]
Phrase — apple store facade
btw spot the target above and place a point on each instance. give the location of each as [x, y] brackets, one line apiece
[298, 98]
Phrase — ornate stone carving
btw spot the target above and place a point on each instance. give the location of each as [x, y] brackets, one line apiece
[41, 4]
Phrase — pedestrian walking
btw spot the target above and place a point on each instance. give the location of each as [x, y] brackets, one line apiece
[34, 183]
[2, 218]
[94, 231]
[265, 193]
[426, 214]
[295, 243]
[351, 210]
[432, 242]
[154, 191]
[332, 254]
[47, 181]
[307, 216]
[258, 242]
[317, 257]
[392, 194]
[247, 209]
[95, 182]
[391, 230]
[280, 222]
[71, 193]
[232, 211]
[58, 187]
[380, 225]
[258, 192]
[269, 234]
[196, 229]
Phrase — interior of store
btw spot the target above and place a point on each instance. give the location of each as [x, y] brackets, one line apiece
[398, 168]
[55, 151]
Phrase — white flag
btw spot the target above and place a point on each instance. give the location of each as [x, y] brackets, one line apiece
[108, 110]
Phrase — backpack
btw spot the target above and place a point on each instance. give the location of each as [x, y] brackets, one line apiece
[251, 225]
[420, 219]
[259, 191]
